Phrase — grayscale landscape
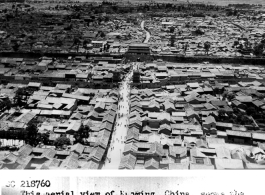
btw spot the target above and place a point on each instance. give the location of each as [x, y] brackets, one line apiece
[132, 85]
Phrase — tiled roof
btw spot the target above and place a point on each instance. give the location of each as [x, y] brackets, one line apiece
[106, 125]
[131, 147]
[127, 162]
[49, 153]
[177, 150]
[10, 158]
[70, 163]
[223, 152]
[78, 148]
[108, 117]
[132, 134]
[90, 165]
[25, 150]
[103, 138]
[151, 163]
[228, 164]
[97, 154]
[156, 149]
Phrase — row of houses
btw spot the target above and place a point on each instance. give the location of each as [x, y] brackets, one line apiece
[48, 71]
[159, 72]
[77, 156]
[212, 153]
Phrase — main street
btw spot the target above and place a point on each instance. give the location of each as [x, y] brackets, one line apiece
[120, 130]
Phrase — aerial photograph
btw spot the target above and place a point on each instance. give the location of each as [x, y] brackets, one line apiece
[144, 84]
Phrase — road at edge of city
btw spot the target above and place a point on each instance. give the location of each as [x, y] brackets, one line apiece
[147, 36]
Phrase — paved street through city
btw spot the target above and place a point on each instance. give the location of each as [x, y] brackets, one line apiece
[121, 127]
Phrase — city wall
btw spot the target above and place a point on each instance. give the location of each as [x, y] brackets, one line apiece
[55, 55]
[214, 60]
[197, 59]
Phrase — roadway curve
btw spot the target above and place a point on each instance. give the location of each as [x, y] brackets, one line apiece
[148, 35]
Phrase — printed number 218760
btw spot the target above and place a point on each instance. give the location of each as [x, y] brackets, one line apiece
[36, 183]
[30, 184]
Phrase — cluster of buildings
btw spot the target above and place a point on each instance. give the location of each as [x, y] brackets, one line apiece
[58, 29]
[160, 73]
[96, 72]
[181, 116]
[197, 125]
[228, 36]
[60, 111]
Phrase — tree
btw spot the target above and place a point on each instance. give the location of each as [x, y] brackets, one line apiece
[61, 141]
[215, 16]
[230, 96]
[185, 48]
[221, 115]
[216, 90]
[31, 43]
[172, 40]
[188, 88]
[31, 133]
[70, 27]
[224, 95]
[236, 43]
[198, 31]
[187, 25]
[2, 105]
[102, 34]
[59, 43]
[22, 95]
[19, 97]
[76, 43]
[106, 19]
[81, 134]
[236, 110]
[84, 131]
[43, 138]
[16, 11]
[77, 137]
[207, 46]
[258, 49]
[230, 13]
[16, 46]
[171, 29]
[8, 104]
[5, 104]
[85, 42]
[251, 111]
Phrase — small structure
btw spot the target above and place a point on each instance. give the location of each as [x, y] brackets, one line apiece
[138, 48]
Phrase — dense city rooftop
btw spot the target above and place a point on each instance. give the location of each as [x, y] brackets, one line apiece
[103, 85]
